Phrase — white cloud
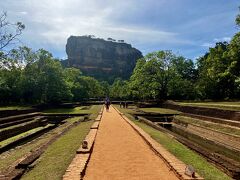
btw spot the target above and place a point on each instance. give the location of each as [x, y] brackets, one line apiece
[23, 12]
[215, 40]
[207, 45]
[50, 23]
[146, 24]
[227, 39]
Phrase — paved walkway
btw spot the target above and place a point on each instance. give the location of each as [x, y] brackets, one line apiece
[120, 153]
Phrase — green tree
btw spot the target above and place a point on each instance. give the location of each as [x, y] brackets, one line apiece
[119, 89]
[44, 80]
[105, 88]
[233, 69]
[238, 19]
[219, 71]
[182, 83]
[87, 87]
[152, 75]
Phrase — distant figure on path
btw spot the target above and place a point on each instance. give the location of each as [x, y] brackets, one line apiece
[107, 103]
[121, 104]
[125, 104]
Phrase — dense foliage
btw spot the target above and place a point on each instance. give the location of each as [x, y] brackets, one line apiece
[162, 75]
[36, 77]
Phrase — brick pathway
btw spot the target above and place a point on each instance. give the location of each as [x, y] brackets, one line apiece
[121, 153]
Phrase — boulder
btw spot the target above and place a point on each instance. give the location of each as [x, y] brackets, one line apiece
[104, 60]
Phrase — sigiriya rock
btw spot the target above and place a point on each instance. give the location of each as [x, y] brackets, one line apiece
[102, 59]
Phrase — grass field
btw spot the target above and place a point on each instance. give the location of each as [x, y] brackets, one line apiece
[202, 166]
[219, 105]
[14, 138]
[55, 160]
[160, 110]
[19, 125]
[14, 107]
[92, 110]
[65, 110]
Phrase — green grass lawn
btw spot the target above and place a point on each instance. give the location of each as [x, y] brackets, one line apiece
[131, 109]
[15, 107]
[19, 125]
[202, 166]
[55, 160]
[92, 110]
[160, 110]
[14, 138]
[218, 105]
[65, 110]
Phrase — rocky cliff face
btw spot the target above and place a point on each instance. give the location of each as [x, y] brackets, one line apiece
[104, 60]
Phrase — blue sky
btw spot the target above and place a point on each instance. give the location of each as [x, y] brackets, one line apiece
[188, 27]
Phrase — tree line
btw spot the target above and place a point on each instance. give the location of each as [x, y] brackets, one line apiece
[36, 77]
[28, 76]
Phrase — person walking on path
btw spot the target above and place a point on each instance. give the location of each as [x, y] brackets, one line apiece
[107, 103]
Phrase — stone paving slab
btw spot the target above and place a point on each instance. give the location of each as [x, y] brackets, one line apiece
[98, 118]
[90, 139]
[177, 165]
[76, 169]
[95, 125]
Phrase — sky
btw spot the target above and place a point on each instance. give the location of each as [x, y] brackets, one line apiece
[187, 27]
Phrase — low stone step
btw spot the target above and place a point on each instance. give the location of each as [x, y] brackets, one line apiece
[98, 118]
[95, 125]
[90, 138]
[17, 117]
[76, 169]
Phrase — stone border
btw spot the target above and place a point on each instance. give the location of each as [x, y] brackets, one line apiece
[22, 139]
[18, 117]
[17, 168]
[213, 119]
[175, 164]
[204, 111]
[15, 112]
[77, 168]
[95, 125]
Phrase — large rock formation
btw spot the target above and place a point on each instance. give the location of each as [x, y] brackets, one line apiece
[104, 60]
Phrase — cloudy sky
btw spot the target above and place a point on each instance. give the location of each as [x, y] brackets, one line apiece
[188, 27]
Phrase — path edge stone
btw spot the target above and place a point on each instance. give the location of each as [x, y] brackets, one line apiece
[77, 171]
